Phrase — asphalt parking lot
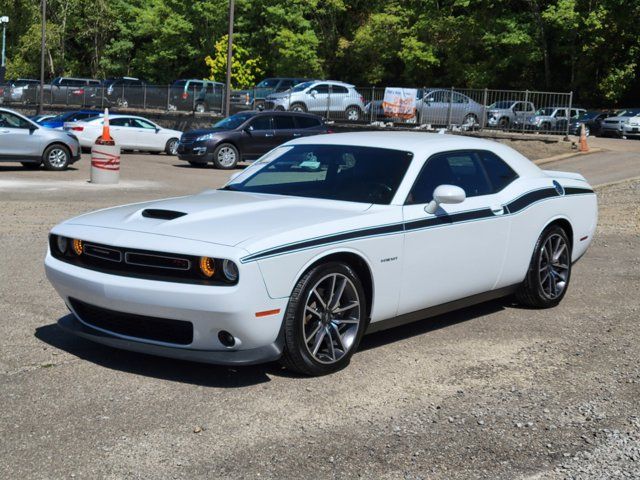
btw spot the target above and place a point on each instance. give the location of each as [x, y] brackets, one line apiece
[494, 391]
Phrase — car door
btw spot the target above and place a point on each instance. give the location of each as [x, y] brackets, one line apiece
[434, 107]
[18, 138]
[147, 135]
[522, 110]
[284, 127]
[459, 250]
[317, 98]
[122, 130]
[460, 106]
[258, 137]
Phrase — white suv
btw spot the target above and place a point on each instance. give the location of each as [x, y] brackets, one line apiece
[321, 97]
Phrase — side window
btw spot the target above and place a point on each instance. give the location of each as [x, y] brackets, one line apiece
[9, 120]
[561, 112]
[439, 96]
[284, 85]
[459, 98]
[520, 107]
[307, 122]
[462, 169]
[283, 122]
[339, 89]
[262, 123]
[120, 122]
[138, 122]
[500, 174]
[322, 88]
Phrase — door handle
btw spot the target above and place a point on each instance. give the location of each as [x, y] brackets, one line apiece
[297, 134]
[497, 209]
[268, 134]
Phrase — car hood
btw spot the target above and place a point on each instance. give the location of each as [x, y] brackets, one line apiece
[279, 95]
[221, 217]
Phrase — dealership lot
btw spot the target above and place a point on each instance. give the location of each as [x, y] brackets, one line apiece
[491, 391]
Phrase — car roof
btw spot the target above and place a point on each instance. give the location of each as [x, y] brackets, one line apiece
[423, 145]
[279, 113]
[333, 82]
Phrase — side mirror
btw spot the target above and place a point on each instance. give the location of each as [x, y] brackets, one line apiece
[313, 93]
[157, 129]
[233, 176]
[248, 129]
[446, 194]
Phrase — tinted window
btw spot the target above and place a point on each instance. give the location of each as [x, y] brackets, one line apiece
[9, 120]
[338, 89]
[322, 88]
[285, 85]
[336, 172]
[462, 169]
[283, 122]
[121, 122]
[234, 121]
[262, 123]
[500, 174]
[307, 122]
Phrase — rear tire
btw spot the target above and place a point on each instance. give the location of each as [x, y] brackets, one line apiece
[172, 147]
[549, 272]
[226, 156]
[353, 113]
[56, 157]
[325, 320]
[201, 108]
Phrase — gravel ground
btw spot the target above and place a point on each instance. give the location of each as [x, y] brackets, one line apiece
[494, 391]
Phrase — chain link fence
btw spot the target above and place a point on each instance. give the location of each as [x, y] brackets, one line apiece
[427, 108]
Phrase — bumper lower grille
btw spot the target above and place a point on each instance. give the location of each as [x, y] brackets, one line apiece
[178, 332]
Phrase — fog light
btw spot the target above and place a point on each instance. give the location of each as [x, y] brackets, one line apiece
[78, 246]
[207, 266]
[230, 270]
[226, 338]
[62, 243]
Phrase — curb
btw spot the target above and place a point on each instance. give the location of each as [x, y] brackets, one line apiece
[564, 156]
[616, 182]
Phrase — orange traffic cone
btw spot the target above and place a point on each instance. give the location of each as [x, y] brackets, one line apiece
[583, 140]
[105, 138]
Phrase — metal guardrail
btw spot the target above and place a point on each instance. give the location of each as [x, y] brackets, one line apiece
[452, 108]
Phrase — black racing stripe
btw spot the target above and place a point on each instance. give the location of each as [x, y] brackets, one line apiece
[341, 237]
[529, 198]
[513, 207]
[577, 190]
[449, 219]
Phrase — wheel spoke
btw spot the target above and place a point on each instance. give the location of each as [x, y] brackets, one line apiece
[332, 291]
[320, 299]
[353, 304]
[346, 321]
[318, 342]
[315, 331]
[330, 339]
[313, 311]
[338, 294]
[338, 336]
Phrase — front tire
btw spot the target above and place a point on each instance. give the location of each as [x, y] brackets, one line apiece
[353, 113]
[325, 320]
[56, 157]
[298, 107]
[549, 273]
[226, 156]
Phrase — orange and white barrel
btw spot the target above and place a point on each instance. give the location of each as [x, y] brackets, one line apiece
[105, 164]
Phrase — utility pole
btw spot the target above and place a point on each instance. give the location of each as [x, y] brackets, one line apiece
[42, 47]
[227, 97]
[4, 20]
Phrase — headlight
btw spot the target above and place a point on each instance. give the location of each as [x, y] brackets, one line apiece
[62, 243]
[230, 270]
[203, 138]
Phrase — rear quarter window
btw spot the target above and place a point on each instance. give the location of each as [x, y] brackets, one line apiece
[307, 122]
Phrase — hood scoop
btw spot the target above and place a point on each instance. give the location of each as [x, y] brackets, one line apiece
[162, 214]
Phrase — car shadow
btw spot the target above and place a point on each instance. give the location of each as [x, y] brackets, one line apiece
[217, 376]
[20, 168]
[420, 327]
[182, 371]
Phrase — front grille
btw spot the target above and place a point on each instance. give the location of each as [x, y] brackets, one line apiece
[179, 332]
[611, 122]
[268, 105]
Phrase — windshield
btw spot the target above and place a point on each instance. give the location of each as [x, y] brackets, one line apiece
[588, 115]
[179, 83]
[301, 86]
[627, 113]
[268, 83]
[501, 105]
[545, 111]
[234, 121]
[332, 172]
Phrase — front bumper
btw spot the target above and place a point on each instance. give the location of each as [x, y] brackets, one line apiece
[194, 152]
[631, 130]
[209, 309]
[611, 129]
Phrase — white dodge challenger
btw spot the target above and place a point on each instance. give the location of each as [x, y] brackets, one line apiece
[322, 240]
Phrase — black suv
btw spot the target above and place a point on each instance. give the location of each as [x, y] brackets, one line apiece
[246, 136]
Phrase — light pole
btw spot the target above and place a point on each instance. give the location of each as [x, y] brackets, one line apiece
[227, 97]
[42, 47]
[4, 20]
